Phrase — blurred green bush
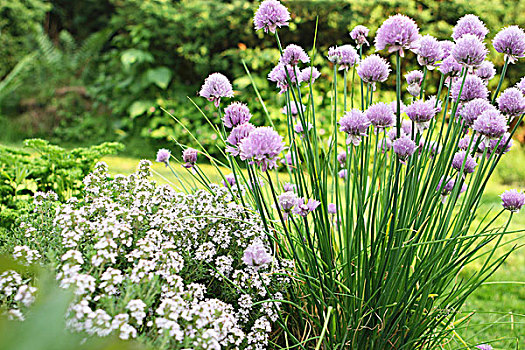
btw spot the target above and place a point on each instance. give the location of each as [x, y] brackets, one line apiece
[109, 67]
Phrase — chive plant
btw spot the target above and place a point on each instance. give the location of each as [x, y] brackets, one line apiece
[381, 217]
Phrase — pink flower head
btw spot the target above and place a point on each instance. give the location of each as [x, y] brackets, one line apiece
[511, 42]
[463, 157]
[235, 114]
[215, 87]
[293, 109]
[380, 115]
[473, 88]
[354, 123]
[512, 102]
[397, 33]
[449, 66]
[429, 50]
[404, 147]
[469, 51]
[270, 15]
[491, 124]
[473, 109]
[293, 54]
[421, 112]
[262, 147]
[414, 79]
[279, 76]
[373, 69]
[189, 156]
[513, 200]
[359, 34]
[469, 24]
[238, 133]
[446, 47]
[163, 156]
[309, 74]
[345, 56]
[305, 206]
[486, 71]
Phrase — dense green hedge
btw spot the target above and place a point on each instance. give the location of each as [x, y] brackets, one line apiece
[155, 53]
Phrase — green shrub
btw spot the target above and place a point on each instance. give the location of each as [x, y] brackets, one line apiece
[44, 167]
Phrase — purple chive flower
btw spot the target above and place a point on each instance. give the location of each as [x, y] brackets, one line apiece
[262, 146]
[309, 74]
[486, 71]
[298, 127]
[270, 15]
[473, 88]
[469, 51]
[512, 200]
[229, 180]
[446, 47]
[341, 158]
[464, 143]
[511, 102]
[278, 76]
[293, 54]
[511, 42]
[449, 66]
[469, 24]
[288, 187]
[287, 160]
[491, 124]
[428, 51]
[521, 85]
[463, 157]
[293, 109]
[397, 33]
[163, 156]
[332, 209]
[342, 173]
[380, 116]
[189, 157]
[393, 105]
[484, 347]
[473, 109]
[238, 134]
[404, 147]
[501, 145]
[215, 87]
[305, 206]
[345, 56]
[414, 79]
[256, 255]
[359, 34]
[235, 114]
[421, 112]
[287, 201]
[384, 145]
[354, 123]
[373, 69]
[446, 188]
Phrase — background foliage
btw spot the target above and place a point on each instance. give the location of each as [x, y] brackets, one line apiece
[95, 71]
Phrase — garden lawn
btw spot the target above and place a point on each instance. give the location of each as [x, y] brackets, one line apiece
[499, 304]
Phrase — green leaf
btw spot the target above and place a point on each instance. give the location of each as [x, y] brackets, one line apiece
[160, 76]
[138, 108]
[132, 56]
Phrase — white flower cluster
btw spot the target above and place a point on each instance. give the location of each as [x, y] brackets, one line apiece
[146, 260]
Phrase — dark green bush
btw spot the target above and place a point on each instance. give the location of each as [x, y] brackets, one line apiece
[151, 54]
